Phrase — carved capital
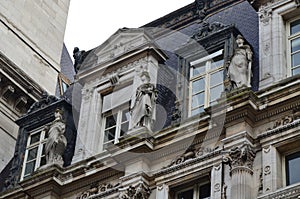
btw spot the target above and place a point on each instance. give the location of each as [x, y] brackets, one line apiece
[265, 14]
[242, 156]
[138, 192]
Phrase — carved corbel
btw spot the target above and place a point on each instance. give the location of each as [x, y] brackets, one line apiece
[20, 103]
[8, 91]
[114, 79]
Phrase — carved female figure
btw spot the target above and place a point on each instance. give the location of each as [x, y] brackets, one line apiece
[239, 70]
[56, 142]
[142, 105]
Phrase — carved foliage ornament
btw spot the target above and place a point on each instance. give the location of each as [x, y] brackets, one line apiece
[265, 14]
[138, 192]
[45, 101]
[286, 119]
[242, 156]
[208, 29]
[96, 189]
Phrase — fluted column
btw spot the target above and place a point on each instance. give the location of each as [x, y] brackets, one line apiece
[241, 161]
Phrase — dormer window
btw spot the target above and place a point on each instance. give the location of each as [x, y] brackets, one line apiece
[35, 153]
[206, 81]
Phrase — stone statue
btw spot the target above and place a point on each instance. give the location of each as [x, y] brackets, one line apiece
[142, 107]
[239, 70]
[78, 56]
[56, 142]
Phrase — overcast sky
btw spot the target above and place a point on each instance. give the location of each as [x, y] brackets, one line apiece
[91, 22]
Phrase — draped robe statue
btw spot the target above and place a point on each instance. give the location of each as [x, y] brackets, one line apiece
[56, 142]
[142, 107]
[239, 70]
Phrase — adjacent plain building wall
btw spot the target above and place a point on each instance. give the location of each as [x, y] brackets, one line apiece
[31, 36]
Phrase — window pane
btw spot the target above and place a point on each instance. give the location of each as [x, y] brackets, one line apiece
[124, 128]
[204, 191]
[198, 100]
[198, 69]
[35, 138]
[43, 161]
[186, 194]
[295, 27]
[110, 121]
[295, 45]
[216, 78]
[198, 85]
[215, 92]
[296, 71]
[198, 110]
[125, 115]
[109, 134]
[296, 59]
[292, 166]
[218, 62]
[29, 167]
[32, 153]
[64, 86]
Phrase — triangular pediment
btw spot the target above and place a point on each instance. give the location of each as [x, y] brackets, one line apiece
[122, 42]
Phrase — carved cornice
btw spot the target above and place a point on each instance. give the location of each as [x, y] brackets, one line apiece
[208, 29]
[287, 193]
[187, 163]
[33, 90]
[44, 102]
[97, 190]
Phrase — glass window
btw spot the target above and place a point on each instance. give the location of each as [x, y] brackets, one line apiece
[292, 168]
[35, 153]
[206, 81]
[294, 39]
[196, 192]
[116, 124]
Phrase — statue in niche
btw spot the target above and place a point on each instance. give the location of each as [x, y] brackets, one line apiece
[56, 142]
[142, 106]
[239, 70]
[78, 56]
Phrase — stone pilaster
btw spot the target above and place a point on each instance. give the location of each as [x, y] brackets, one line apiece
[271, 177]
[216, 181]
[162, 192]
[241, 161]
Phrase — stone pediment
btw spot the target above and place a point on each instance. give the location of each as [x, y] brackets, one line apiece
[122, 42]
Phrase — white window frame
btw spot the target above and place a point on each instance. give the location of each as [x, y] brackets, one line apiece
[118, 111]
[39, 144]
[284, 168]
[289, 39]
[206, 75]
[196, 190]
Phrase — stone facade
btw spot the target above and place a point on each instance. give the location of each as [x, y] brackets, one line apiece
[31, 37]
[237, 143]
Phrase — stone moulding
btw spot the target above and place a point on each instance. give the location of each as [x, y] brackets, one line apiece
[279, 129]
[188, 163]
[286, 193]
